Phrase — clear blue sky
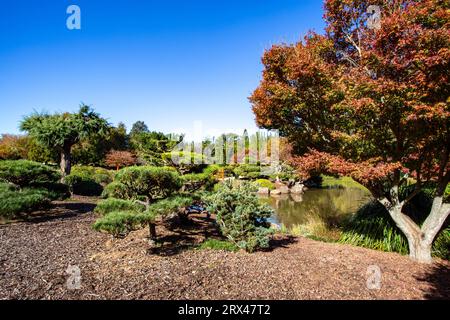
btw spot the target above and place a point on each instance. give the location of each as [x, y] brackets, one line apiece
[168, 63]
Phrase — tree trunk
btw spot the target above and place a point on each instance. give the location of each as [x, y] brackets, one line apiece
[152, 231]
[420, 239]
[66, 161]
[420, 250]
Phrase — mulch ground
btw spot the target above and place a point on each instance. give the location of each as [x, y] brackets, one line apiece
[35, 256]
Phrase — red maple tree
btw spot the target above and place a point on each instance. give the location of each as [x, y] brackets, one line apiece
[119, 159]
[369, 102]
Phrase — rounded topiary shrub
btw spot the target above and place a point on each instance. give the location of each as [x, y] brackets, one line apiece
[265, 183]
[99, 175]
[82, 185]
[149, 182]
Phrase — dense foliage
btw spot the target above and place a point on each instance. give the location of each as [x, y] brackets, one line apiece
[119, 159]
[144, 183]
[121, 223]
[150, 146]
[109, 205]
[62, 131]
[26, 186]
[18, 203]
[93, 149]
[87, 181]
[25, 173]
[240, 216]
[205, 180]
[369, 103]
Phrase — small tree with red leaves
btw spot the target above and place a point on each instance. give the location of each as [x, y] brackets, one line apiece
[369, 102]
[118, 159]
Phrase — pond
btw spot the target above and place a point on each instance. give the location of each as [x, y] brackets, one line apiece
[291, 210]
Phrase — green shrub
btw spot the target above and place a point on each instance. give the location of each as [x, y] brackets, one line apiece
[150, 182]
[99, 175]
[7, 187]
[212, 169]
[372, 226]
[240, 216]
[205, 180]
[102, 179]
[242, 169]
[15, 203]
[250, 171]
[24, 173]
[185, 163]
[121, 223]
[214, 244]
[83, 185]
[54, 191]
[28, 186]
[115, 190]
[286, 173]
[169, 205]
[264, 183]
[107, 206]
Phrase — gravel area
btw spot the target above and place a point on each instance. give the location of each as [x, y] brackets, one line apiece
[35, 256]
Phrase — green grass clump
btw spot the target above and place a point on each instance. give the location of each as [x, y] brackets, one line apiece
[214, 244]
[341, 182]
[265, 183]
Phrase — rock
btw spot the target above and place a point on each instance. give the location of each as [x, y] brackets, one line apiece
[298, 189]
[275, 192]
[284, 189]
[297, 197]
[264, 191]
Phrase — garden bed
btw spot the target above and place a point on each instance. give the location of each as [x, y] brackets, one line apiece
[35, 255]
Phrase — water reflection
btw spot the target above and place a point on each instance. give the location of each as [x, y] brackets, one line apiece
[327, 203]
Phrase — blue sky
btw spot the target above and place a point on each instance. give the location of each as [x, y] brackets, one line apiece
[168, 63]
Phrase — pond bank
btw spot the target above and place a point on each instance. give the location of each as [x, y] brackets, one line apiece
[34, 258]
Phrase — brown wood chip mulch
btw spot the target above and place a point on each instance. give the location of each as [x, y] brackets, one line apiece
[35, 255]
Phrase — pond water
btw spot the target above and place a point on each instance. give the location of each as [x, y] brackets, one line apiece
[293, 210]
